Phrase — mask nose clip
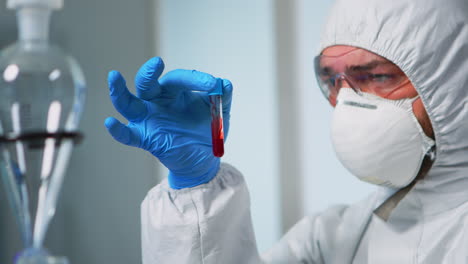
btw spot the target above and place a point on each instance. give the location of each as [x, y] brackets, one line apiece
[336, 82]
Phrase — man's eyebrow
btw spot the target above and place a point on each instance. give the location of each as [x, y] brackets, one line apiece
[368, 66]
[365, 67]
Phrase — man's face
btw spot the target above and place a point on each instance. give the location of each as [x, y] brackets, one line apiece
[370, 73]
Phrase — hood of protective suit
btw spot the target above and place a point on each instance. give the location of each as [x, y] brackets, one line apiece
[428, 40]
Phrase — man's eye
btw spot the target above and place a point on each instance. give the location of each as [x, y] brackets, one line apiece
[362, 78]
[324, 73]
[382, 78]
[326, 77]
[374, 78]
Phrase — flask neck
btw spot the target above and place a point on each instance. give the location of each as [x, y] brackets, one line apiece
[33, 24]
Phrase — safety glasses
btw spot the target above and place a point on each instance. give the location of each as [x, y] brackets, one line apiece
[360, 70]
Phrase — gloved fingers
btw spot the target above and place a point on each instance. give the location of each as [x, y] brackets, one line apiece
[122, 133]
[177, 81]
[126, 103]
[227, 99]
[146, 80]
[227, 96]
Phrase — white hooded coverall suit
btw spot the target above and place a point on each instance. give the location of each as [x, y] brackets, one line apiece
[428, 40]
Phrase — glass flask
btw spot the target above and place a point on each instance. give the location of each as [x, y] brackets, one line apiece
[42, 94]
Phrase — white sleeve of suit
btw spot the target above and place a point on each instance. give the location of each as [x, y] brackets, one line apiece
[211, 224]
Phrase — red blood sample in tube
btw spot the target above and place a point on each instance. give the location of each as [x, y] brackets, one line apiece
[217, 131]
[217, 135]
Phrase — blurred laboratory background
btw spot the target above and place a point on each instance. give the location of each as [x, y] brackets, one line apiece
[279, 136]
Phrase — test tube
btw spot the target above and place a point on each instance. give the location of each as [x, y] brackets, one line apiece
[217, 130]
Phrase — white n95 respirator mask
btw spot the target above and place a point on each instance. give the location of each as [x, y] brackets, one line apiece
[379, 140]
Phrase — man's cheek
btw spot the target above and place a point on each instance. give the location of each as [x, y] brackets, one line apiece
[423, 118]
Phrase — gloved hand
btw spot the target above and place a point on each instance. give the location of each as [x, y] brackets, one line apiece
[170, 118]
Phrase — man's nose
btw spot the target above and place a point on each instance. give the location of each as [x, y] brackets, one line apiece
[341, 82]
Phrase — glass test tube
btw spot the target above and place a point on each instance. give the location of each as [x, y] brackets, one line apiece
[217, 131]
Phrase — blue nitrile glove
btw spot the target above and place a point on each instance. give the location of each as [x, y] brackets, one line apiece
[170, 120]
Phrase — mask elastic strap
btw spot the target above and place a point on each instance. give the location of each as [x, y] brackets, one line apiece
[428, 142]
[431, 153]
[414, 98]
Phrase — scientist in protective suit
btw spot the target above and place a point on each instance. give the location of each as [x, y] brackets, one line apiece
[396, 73]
